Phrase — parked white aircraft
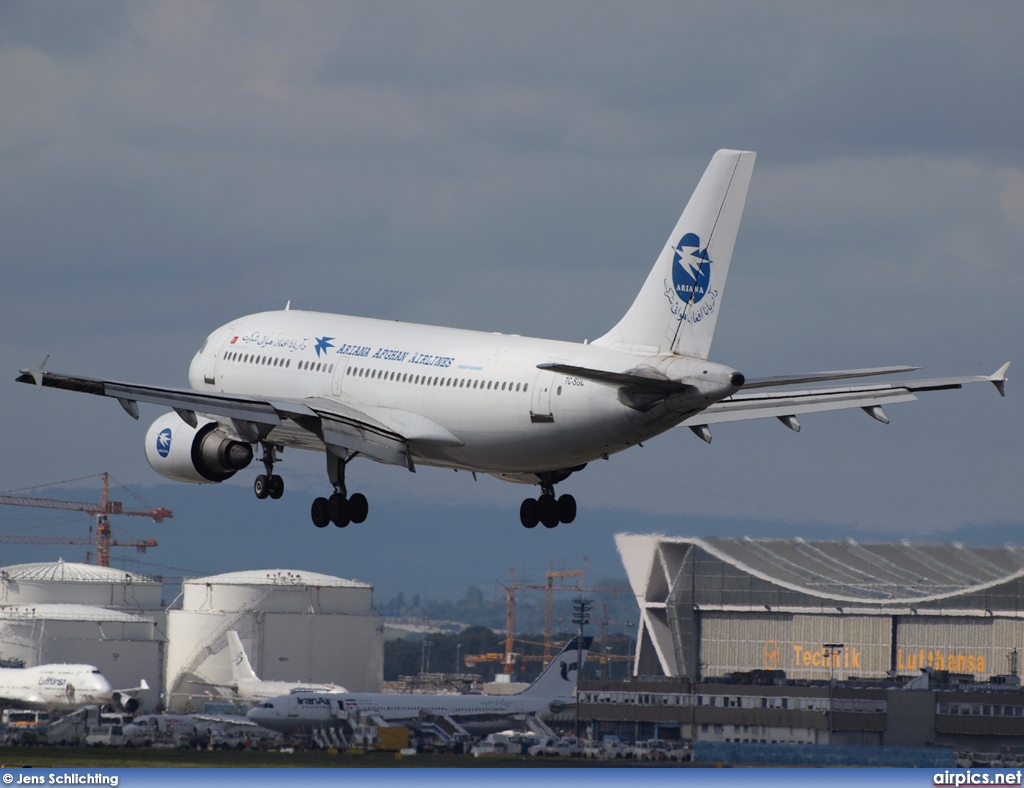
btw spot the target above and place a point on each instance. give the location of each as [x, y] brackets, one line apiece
[525, 410]
[55, 686]
[249, 687]
[549, 694]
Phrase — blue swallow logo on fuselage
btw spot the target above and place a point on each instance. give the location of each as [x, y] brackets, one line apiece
[322, 343]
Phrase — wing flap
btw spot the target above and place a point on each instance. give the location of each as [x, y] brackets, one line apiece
[755, 404]
[808, 402]
[820, 377]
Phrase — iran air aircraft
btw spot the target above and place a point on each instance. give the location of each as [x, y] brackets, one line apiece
[550, 693]
[56, 686]
[524, 410]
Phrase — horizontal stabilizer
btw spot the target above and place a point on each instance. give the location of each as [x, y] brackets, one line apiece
[632, 380]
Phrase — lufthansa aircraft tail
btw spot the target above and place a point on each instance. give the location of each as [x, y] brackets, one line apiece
[678, 307]
[558, 680]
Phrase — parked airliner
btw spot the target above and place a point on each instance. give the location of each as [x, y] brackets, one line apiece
[249, 687]
[550, 693]
[524, 410]
[56, 686]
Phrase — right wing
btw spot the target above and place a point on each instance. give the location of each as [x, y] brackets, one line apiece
[786, 404]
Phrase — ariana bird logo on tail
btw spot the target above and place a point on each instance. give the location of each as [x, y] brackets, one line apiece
[691, 269]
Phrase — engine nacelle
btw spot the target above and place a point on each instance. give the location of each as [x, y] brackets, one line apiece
[199, 454]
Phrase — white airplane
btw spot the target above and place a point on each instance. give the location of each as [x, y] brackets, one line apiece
[525, 410]
[248, 686]
[56, 686]
[549, 694]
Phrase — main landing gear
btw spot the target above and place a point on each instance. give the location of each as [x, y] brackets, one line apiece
[547, 509]
[339, 509]
[268, 485]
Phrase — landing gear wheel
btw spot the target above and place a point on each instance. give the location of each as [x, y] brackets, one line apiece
[320, 512]
[566, 507]
[339, 510]
[529, 515]
[276, 487]
[548, 511]
[358, 507]
[261, 487]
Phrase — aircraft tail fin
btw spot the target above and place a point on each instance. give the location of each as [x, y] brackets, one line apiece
[241, 668]
[558, 679]
[677, 308]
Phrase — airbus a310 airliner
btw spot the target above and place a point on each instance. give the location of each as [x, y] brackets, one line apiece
[524, 410]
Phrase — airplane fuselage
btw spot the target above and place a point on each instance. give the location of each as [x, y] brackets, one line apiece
[465, 399]
[305, 711]
[54, 686]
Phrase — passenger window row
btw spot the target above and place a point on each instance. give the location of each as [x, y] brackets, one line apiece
[253, 358]
[429, 380]
[379, 374]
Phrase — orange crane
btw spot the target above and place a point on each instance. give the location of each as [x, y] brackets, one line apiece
[510, 657]
[102, 538]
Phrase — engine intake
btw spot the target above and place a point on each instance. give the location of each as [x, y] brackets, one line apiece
[200, 454]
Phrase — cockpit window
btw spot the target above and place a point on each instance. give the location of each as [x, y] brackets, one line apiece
[267, 706]
[203, 347]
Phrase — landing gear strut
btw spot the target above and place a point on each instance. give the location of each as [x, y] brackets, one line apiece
[339, 509]
[268, 485]
[547, 509]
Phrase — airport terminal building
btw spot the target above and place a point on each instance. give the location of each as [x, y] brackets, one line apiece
[821, 610]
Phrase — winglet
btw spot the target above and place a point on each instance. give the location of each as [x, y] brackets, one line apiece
[36, 373]
[998, 379]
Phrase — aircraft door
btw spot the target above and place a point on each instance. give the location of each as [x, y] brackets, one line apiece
[540, 409]
[210, 368]
[338, 377]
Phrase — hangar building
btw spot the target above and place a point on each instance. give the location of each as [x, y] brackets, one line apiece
[823, 609]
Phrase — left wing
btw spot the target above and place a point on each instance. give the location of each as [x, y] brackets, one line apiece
[339, 427]
[786, 404]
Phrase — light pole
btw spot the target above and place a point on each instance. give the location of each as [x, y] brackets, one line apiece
[830, 651]
[581, 616]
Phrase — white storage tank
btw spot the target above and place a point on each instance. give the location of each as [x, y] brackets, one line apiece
[82, 584]
[295, 626]
[126, 647]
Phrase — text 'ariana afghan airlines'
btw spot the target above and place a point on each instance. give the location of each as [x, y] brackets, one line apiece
[524, 410]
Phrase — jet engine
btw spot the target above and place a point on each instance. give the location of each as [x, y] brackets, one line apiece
[123, 700]
[201, 454]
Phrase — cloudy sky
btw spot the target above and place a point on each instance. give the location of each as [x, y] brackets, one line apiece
[516, 167]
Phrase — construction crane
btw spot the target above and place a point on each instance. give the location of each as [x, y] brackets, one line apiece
[102, 538]
[511, 657]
